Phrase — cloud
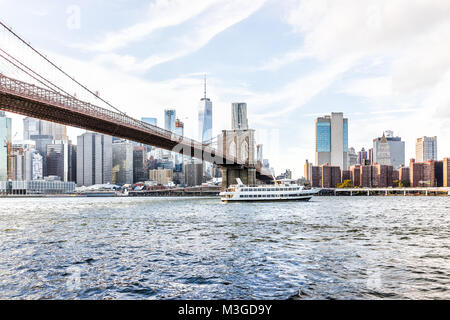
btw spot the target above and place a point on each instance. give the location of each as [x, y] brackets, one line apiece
[404, 45]
[161, 14]
[198, 31]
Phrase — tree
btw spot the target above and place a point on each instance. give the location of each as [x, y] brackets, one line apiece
[345, 185]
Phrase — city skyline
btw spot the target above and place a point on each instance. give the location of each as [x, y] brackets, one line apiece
[379, 85]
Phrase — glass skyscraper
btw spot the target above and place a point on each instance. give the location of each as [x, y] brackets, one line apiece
[152, 121]
[169, 119]
[5, 139]
[205, 118]
[332, 140]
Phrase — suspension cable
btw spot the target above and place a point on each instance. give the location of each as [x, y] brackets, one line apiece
[58, 68]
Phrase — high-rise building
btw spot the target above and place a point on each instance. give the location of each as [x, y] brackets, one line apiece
[446, 172]
[5, 144]
[389, 150]
[239, 116]
[363, 155]
[16, 163]
[37, 127]
[169, 119]
[352, 157]
[41, 143]
[122, 154]
[205, 118]
[61, 160]
[179, 127]
[426, 174]
[426, 149]
[161, 176]
[193, 173]
[33, 165]
[331, 176]
[307, 171]
[94, 159]
[140, 167]
[332, 140]
[151, 121]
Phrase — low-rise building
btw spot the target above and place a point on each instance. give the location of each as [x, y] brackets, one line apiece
[36, 187]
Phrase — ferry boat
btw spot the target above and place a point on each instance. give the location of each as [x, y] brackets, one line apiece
[282, 190]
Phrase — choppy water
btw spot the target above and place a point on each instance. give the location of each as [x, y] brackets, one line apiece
[137, 248]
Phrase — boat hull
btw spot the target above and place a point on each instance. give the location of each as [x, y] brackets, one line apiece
[303, 199]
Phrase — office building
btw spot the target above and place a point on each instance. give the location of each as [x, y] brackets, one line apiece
[41, 143]
[426, 149]
[36, 187]
[151, 121]
[122, 170]
[389, 150]
[239, 119]
[37, 127]
[193, 171]
[34, 165]
[446, 172]
[332, 140]
[205, 118]
[140, 165]
[16, 163]
[5, 144]
[161, 176]
[169, 119]
[352, 157]
[363, 156]
[94, 159]
[307, 171]
[61, 160]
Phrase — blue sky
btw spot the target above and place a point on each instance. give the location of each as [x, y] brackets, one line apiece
[385, 64]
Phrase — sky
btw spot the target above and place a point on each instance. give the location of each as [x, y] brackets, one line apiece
[384, 63]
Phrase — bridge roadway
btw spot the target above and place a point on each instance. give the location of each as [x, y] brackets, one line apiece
[29, 100]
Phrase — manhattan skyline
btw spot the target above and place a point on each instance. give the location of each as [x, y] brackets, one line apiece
[381, 69]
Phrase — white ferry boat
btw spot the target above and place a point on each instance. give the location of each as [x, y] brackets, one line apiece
[282, 190]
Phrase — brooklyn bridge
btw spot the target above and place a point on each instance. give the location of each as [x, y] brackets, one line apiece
[43, 98]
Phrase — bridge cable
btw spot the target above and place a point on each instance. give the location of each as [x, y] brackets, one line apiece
[37, 74]
[62, 71]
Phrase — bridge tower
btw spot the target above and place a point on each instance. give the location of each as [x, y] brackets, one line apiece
[240, 146]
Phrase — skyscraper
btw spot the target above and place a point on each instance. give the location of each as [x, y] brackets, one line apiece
[61, 160]
[94, 159]
[205, 118]
[35, 127]
[122, 171]
[426, 149]
[152, 121]
[352, 157]
[332, 140]
[5, 145]
[169, 119]
[389, 150]
[239, 119]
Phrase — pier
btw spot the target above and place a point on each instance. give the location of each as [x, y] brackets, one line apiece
[439, 191]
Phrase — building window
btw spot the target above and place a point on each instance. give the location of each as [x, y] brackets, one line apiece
[323, 139]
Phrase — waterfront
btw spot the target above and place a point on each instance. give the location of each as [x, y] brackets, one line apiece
[177, 248]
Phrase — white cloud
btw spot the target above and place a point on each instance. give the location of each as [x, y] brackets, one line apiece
[411, 39]
[200, 30]
[161, 14]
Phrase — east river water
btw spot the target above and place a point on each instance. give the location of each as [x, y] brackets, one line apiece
[167, 248]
